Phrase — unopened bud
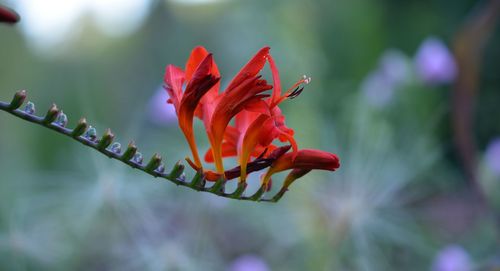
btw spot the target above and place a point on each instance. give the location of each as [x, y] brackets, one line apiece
[129, 152]
[106, 140]
[17, 100]
[51, 115]
[219, 186]
[154, 163]
[198, 178]
[177, 170]
[80, 128]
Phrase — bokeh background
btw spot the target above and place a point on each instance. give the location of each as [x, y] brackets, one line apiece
[407, 93]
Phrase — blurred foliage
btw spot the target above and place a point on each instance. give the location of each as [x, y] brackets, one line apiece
[398, 199]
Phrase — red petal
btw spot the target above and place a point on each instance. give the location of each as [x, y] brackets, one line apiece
[228, 150]
[276, 80]
[197, 55]
[231, 104]
[174, 78]
[201, 82]
[251, 69]
[8, 16]
[231, 135]
[250, 141]
[243, 119]
[307, 159]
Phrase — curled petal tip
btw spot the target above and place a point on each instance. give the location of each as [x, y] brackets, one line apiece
[8, 15]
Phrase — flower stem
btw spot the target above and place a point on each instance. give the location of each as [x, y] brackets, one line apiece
[104, 146]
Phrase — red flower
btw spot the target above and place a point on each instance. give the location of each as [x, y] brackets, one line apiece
[8, 16]
[258, 119]
[244, 92]
[259, 123]
[305, 161]
[201, 76]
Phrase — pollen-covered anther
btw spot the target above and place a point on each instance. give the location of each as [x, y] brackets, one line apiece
[306, 79]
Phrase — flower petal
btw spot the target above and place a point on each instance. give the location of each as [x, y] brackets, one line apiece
[174, 78]
[201, 82]
[251, 69]
[228, 150]
[198, 54]
[250, 141]
[276, 80]
[306, 159]
[230, 104]
[8, 16]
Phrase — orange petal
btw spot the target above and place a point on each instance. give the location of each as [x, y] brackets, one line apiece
[201, 82]
[228, 150]
[251, 69]
[231, 135]
[230, 104]
[250, 141]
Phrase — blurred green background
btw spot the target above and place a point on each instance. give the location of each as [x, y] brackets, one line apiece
[391, 84]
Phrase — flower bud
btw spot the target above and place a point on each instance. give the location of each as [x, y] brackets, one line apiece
[154, 163]
[177, 170]
[17, 100]
[106, 140]
[129, 152]
[51, 115]
[80, 128]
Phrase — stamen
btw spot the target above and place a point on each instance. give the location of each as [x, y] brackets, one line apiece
[295, 90]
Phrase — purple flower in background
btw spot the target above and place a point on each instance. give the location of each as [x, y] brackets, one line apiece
[392, 72]
[434, 62]
[249, 263]
[394, 65]
[452, 258]
[160, 112]
[492, 155]
[377, 90]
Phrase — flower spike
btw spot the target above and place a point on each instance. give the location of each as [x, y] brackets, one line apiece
[243, 121]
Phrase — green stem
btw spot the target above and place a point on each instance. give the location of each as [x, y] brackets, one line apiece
[97, 144]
